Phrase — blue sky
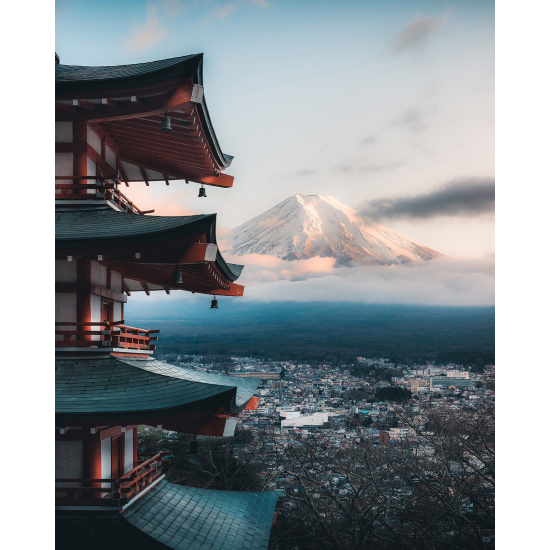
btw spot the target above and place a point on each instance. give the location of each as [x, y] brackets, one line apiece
[363, 100]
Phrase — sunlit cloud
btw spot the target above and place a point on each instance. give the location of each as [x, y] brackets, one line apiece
[148, 34]
[461, 197]
[445, 281]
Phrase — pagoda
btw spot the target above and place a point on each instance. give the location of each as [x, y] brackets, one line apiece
[114, 126]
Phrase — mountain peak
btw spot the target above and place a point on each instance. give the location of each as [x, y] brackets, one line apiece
[305, 226]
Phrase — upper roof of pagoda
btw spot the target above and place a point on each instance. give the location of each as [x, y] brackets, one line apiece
[124, 105]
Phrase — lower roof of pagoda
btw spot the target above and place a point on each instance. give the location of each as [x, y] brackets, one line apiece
[187, 517]
[113, 390]
[178, 517]
[147, 249]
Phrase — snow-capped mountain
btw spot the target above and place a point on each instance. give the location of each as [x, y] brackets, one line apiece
[304, 226]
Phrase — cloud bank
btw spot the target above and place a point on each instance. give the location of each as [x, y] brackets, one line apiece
[441, 282]
[460, 197]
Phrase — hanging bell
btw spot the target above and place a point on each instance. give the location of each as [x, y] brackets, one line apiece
[202, 192]
[214, 303]
[165, 124]
[177, 279]
[194, 447]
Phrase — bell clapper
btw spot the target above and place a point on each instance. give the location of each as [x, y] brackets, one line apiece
[165, 125]
[177, 278]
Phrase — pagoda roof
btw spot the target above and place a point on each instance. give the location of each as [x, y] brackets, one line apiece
[188, 517]
[124, 105]
[105, 389]
[175, 516]
[161, 241]
[78, 77]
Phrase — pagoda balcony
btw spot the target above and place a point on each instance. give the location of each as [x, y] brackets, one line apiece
[103, 336]
[112, 492]
[102, 190]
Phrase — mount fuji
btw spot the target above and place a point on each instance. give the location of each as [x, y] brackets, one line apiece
[305, 226]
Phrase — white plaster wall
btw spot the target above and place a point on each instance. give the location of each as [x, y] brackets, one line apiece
[65, 307]
[99, 274]
[63, 132]
[106, 460]
[63, 164]
[128, 451]
[69, 459]
[117, 311]
[95, 306]
[95, 313]
[65, 272]
[110, 157]
[90, 171]
[94, 141]
[116, 281]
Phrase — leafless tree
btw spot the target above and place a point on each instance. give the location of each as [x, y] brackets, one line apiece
[432, 490]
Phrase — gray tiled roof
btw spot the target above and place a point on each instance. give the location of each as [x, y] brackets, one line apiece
[187, 518]
[70, 78]
[92, 386]
[107, 227]
[107, 223]
[76, 73]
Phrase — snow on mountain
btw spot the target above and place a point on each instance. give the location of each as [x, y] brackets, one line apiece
[304, 226]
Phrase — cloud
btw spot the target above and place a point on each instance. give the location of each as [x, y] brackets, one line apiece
[445, 281]
[149, 34]
[416, 35]
[413, 118]
[172, 7]
[224, 11]
[304, 172]
[460, 197]
[355, 167]
[371, 140]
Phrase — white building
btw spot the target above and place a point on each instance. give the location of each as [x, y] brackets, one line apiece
[315, 419]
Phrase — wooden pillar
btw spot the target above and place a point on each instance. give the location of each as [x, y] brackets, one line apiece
[134, 440]
[91, 467]
[80, 159]
[84, 299]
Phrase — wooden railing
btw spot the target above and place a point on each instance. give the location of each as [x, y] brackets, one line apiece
[111, 492]
[103, 334]
[104, 190]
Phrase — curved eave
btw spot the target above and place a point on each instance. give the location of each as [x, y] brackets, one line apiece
[183, 517]
[113, 389]
[162, 242]
[76, 78]
[71, 79]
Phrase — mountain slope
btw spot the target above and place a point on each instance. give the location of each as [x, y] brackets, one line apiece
[304, 226]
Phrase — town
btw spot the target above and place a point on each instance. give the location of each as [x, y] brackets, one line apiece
[304, 400]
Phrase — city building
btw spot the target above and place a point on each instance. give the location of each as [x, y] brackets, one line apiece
[117, 125]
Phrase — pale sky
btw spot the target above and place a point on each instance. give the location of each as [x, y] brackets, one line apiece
[386, 105]
[358, 99]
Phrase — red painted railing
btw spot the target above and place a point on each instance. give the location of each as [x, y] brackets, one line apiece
[103, 334]
[111, 492]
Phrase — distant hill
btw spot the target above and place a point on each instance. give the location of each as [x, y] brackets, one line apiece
[304, 226]
[321, 331]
